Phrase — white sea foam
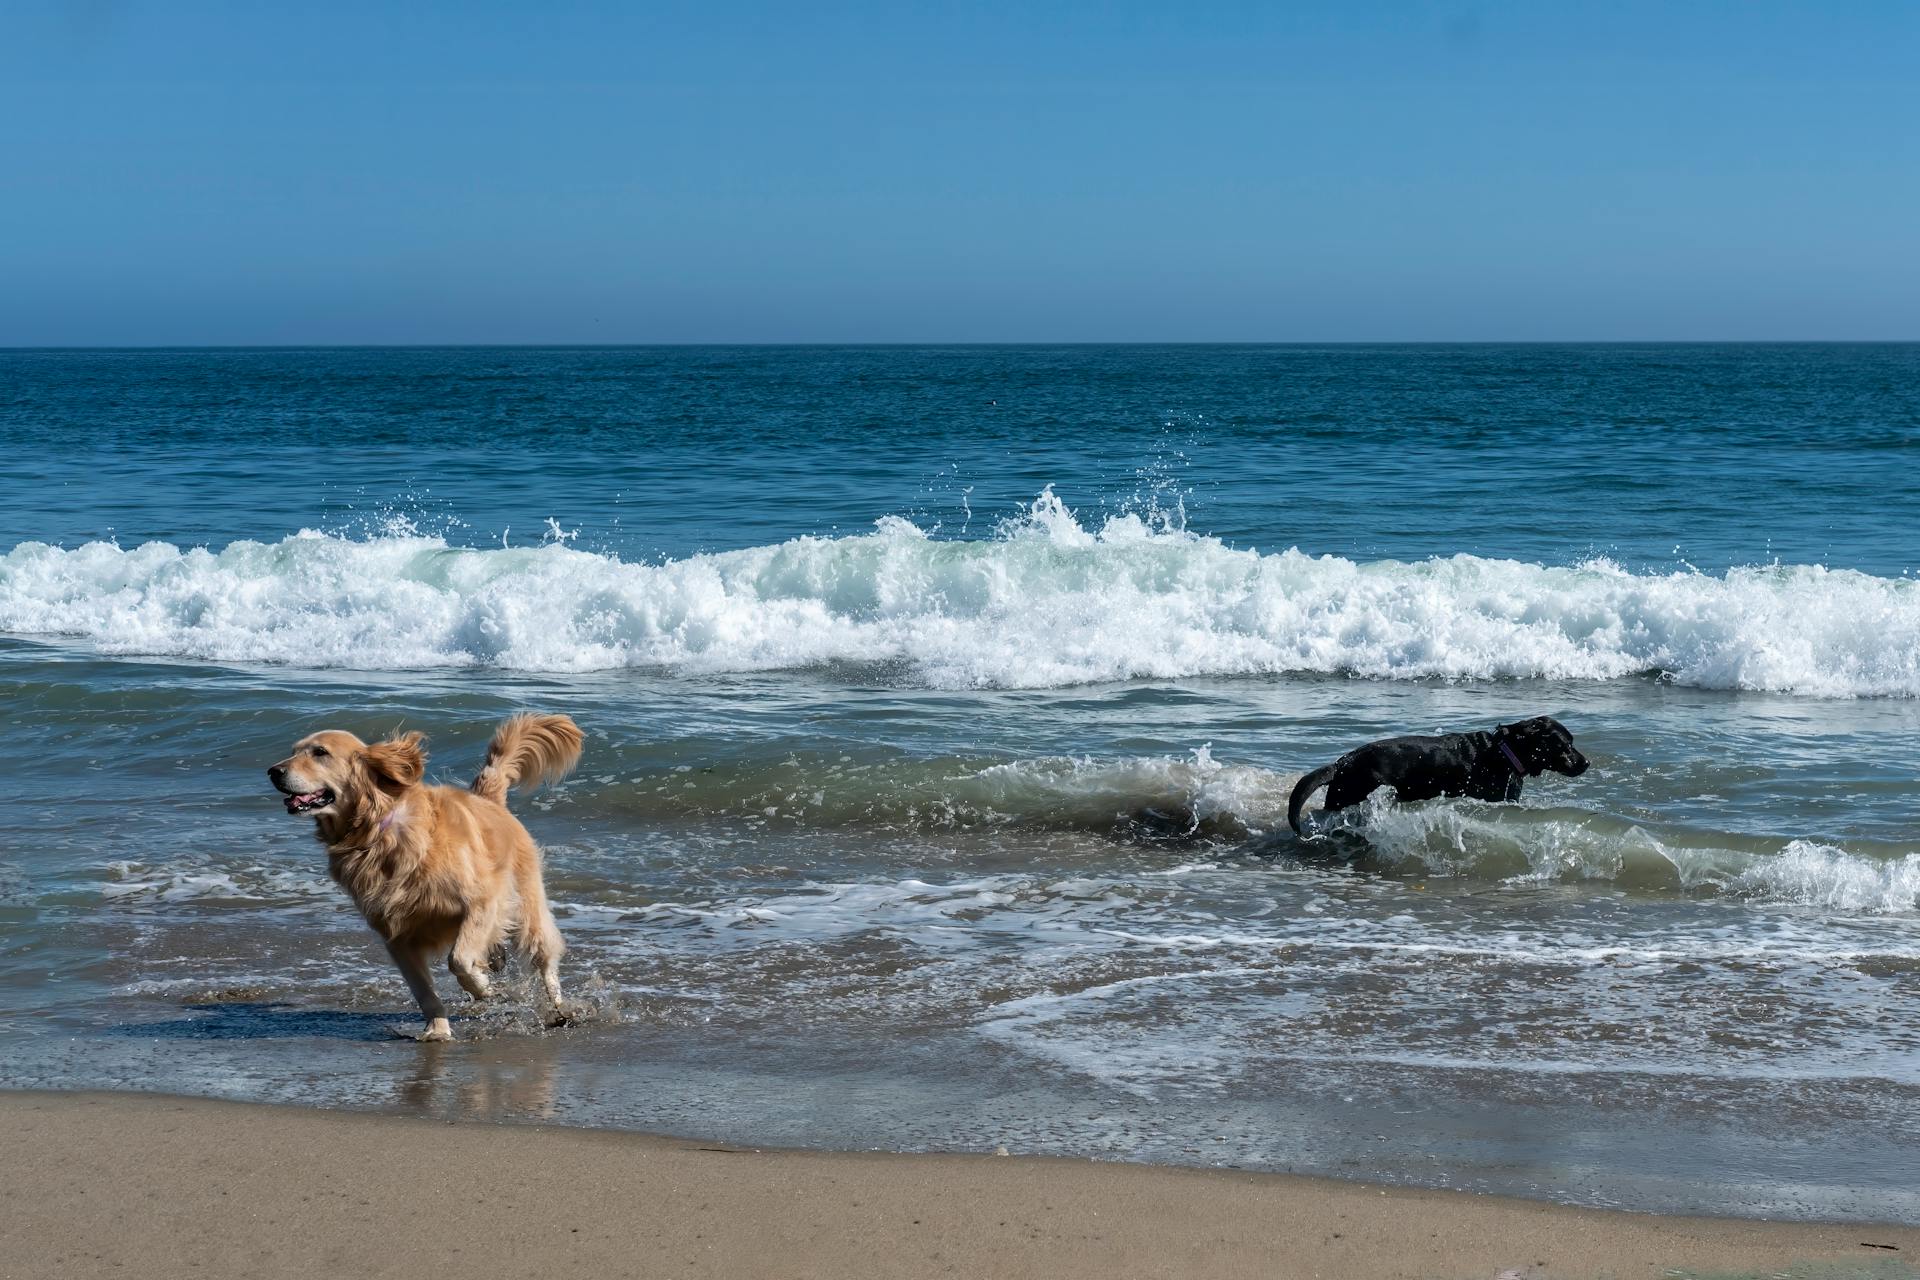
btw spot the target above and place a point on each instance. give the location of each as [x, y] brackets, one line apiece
[1524, 845]
[1045, 602]
[241, 881]
[1122, 914]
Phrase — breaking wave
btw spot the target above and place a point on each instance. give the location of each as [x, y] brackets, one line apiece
[1237, 810]
[1045, 602]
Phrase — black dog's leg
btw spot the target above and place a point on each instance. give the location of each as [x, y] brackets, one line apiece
[1349, 789]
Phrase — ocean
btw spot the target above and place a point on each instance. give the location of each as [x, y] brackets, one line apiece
[942, 704]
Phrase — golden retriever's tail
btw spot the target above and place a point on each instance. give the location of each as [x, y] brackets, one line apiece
[528, 748]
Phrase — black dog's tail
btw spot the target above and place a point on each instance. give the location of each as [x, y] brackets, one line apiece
[1304, 789]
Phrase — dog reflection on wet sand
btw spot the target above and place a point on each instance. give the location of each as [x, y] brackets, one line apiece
[470, 1088]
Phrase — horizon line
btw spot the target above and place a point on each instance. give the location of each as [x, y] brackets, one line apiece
[1003, 343]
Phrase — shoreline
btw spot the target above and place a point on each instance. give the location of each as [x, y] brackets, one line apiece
[98, 1183]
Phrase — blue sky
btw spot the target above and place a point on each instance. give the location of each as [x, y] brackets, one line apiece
[204, 173]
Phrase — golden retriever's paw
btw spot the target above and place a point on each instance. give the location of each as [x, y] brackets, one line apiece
[435, 1032]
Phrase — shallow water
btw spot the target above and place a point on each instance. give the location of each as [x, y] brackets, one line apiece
[939, 749]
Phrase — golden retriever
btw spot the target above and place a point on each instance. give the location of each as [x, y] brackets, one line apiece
[437, 870]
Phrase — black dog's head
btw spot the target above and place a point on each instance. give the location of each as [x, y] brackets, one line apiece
[1543, 743]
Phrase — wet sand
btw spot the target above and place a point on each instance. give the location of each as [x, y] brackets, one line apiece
[125, 1184]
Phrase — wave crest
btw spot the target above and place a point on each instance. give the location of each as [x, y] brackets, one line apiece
[1045, 602]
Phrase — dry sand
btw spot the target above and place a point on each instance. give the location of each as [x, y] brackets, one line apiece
[158, 1187]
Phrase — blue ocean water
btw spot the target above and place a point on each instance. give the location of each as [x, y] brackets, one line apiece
[942, 706]
[1654, 456]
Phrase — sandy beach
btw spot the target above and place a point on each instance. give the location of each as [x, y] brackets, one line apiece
[161, 1187]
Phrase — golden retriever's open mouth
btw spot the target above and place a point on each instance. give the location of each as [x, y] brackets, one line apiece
[306, 801]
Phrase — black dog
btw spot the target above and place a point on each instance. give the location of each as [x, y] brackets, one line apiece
[1486, 766]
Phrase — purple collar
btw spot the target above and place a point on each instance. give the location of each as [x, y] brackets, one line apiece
[1512, 759]
[394, 813]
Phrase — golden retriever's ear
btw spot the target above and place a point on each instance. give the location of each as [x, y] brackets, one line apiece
[399, 761]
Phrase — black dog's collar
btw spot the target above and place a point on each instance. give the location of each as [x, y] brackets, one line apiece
[1512, 759]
